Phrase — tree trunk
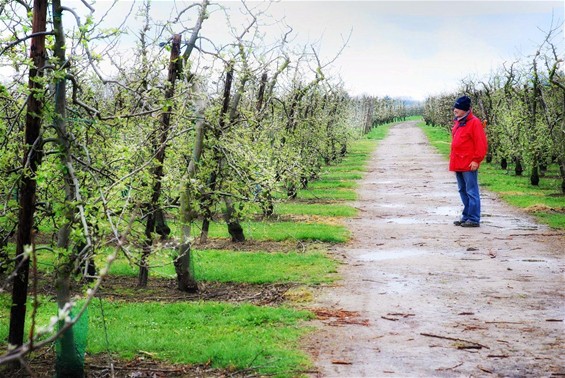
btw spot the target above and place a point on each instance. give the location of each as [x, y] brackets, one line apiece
[161, 227]
[534, 177]
[159, 146]
[234, 228]
[261, 92]
[143, 276]
[31, 160]
[206, 200]
[267, 204]
[562, 171]
[291, 191]
[186, 281]
[184, 267]
[69, 362]
[206, 205]
[518, 168]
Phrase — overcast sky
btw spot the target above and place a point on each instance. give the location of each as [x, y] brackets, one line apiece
[421, 48]
[397, 48]
[407, 48]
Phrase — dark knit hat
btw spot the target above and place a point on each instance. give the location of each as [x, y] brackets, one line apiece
[462, 103]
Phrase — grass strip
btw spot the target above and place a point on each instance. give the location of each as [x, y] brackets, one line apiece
[226, 336]
[333, 210]
[235, 337]
[328, 194]
[281, 231]
[245, 267]
[268, 230]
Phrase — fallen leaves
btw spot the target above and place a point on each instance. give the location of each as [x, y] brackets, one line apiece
[341, 362]
[339, 317]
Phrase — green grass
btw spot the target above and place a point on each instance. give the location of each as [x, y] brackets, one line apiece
[229, 336]
[328, 194]
[379, 132]
[439, 137]
[244, 267]
[280, 231]
[332, 184]
[333, 210]
[277, 231]
[337, 175]
[222, 335]
[265, 267]
[555, 220]
[545, 201]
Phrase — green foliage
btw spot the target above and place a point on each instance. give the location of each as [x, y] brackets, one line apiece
[99, 181]
[522, 106]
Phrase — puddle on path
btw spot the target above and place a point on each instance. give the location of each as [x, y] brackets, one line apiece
[510, 223]
[389, 254]
[404, 220]
[391, 205]
[445, 210]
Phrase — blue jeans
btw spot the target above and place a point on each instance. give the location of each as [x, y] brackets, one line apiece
[468, 184]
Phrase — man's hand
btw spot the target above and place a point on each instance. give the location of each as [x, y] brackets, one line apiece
[474, 165]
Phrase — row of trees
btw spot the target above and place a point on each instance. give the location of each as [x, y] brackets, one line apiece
[102, 148]
[523, 106]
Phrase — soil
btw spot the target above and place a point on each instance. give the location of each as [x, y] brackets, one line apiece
[421, 297]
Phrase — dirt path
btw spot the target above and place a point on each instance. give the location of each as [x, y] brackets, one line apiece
[434, 299]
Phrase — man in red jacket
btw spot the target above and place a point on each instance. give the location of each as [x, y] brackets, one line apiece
[468, 149]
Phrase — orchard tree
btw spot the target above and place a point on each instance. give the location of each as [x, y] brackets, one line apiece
[522, 106]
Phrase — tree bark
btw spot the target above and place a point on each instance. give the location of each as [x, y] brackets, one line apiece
[534, 176]
[68, 363]
[562, 171]
[206, 200]
[160, 146]
[186, 281]
[234, 228]
[518, 167]
[183, 262]
[31, 161]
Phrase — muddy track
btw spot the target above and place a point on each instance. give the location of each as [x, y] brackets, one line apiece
[429, 299]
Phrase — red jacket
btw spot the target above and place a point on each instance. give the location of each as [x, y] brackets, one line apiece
[469, 143]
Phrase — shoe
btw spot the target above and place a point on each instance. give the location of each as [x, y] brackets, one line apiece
[470, 224]
[457, 223]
